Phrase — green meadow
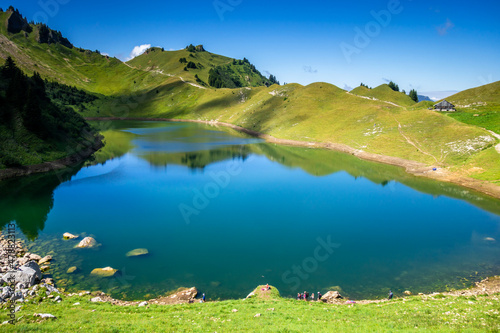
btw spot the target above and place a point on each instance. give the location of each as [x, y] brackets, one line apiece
[265, 313]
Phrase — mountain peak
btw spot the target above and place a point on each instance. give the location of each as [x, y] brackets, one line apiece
[16, 22]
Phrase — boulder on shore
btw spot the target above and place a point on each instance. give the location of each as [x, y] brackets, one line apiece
[104, 272]
[182, 296]
[87, 242]
[67, 235]
[137, 252]
[331, 297]
[27, 274]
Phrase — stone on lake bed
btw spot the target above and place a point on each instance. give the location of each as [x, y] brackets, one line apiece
[137, 252]
[72, 269]
[104, 272]
[44, 260]
[67, 235]
[489, 239]
[87, 242]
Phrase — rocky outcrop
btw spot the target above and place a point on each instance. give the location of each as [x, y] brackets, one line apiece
[16, 22]
[87, 242]
[45, 35]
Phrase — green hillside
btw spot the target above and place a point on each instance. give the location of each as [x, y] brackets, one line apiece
[384, 93]
[195, 66]
[478, 106]
[485, 95]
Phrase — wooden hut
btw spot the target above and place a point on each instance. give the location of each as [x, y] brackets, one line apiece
[444, 106]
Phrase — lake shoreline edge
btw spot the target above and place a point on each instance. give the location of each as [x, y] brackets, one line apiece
[59, 164]
[411, 167]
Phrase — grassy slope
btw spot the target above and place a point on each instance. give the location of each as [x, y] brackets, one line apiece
[479, 106]
[438, 313]
[384, 93]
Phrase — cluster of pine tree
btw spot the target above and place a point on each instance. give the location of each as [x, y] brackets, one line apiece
[233, 75]
[26, 108]
[64, 95]
[273, 80]
[393, 86]
[223, 77]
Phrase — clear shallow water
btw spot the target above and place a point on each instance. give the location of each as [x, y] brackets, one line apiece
[224, 212]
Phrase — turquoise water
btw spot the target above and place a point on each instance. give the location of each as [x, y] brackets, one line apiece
[224, 212]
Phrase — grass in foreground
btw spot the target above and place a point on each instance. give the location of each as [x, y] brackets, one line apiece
[438, 313]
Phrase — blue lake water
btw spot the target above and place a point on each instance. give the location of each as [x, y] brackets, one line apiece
[225, 213]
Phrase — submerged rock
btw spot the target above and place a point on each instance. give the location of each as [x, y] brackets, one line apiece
[104, 272]
[87, 242]
[67, 235]
[33, 256]
[137, 252]
[45, 260]
[72, 269]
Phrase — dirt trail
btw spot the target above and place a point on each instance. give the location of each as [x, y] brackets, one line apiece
[497, 147]
[193, 84]
[375, 99]
[400, 128]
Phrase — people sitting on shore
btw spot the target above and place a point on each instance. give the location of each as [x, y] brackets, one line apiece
[319, 296]
[390, 295]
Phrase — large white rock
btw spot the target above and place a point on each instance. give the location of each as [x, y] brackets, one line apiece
[87, 242]
[67, 235]
[27, 274]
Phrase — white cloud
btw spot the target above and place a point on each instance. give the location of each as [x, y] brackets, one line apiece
[443, 29]
[309, 69]
[138, 50]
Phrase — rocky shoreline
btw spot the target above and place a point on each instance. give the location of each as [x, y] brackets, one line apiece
[70, 160]
[411, 167]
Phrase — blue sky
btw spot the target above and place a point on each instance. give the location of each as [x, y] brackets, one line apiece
[427, 45]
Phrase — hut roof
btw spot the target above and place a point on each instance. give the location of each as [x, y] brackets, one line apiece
[444, 104]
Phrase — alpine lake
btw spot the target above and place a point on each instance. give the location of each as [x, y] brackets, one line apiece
[225, 212]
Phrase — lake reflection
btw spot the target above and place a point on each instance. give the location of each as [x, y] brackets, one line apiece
[224, 212]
